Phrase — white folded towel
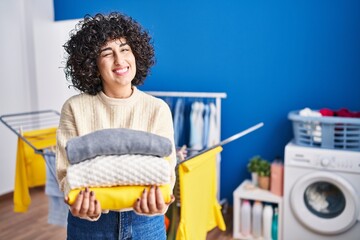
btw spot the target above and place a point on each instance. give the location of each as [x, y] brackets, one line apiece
[117, 170]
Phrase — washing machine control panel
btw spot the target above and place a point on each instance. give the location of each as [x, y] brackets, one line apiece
[330, 162]
[323, 159]
[325, 162]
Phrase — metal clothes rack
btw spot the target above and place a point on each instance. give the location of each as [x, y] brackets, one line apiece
[214, 95]
[227, 140]
[218, 96]
[36, 129]
[19, 123]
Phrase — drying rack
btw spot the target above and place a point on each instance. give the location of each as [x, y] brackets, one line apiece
[19, 123]
[33, 123]
[217, 96]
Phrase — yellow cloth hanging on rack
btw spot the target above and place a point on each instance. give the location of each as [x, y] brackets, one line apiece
[199, 211]
[30, 166]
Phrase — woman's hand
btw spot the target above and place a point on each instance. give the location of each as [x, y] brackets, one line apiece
[182, 153]
[152, 202]
[85, 205]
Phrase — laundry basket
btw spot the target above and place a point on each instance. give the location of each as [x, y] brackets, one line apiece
[326, 132]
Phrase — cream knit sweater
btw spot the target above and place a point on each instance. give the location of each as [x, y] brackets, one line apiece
[84, 113]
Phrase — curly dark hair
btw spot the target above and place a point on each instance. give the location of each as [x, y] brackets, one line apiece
[92, 33]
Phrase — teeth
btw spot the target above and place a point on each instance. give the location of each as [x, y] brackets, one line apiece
[121, 70]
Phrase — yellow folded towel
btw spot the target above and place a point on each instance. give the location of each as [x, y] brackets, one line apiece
[119, 197]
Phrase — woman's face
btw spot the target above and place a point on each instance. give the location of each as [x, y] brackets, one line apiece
[117, 66]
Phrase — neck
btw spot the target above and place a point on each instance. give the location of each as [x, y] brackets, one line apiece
[120, 93]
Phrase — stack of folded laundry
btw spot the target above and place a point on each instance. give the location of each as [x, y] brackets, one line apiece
[117, 164]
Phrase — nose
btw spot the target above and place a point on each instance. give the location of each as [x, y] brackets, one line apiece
[118, 59]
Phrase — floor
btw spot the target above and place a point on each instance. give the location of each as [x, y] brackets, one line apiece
[33, 224]
[30, 225]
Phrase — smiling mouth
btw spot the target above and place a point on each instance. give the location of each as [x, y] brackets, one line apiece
[121, 71]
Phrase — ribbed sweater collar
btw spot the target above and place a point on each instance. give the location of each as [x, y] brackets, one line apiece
[120, 101]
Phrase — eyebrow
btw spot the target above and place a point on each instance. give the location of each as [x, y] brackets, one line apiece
[109, 48]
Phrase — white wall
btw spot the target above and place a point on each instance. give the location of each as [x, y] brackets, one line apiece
[49, 37]
[30, 67]
[14, 96]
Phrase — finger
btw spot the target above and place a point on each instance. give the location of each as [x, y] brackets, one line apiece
[136, 206]
[76, 206]
[151, 199]
[143, 202]
[172, 199]
[86, 202]
[66, 200]
[159, 199]
[91, 209]
[97, 208]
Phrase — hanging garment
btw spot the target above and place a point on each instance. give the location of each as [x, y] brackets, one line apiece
[30, 166]
[206, 127]
[213, 137]
[200, 211]
[179, 121]
[58, 209]
[196, 125]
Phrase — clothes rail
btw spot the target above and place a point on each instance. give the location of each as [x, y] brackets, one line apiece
[215, 95]
[227, 140]
[188, 94]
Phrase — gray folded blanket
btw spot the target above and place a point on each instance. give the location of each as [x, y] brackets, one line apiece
[116, 141]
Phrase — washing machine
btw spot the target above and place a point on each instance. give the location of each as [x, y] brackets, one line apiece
[321, 194]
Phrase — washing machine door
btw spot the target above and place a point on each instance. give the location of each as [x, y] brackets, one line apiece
[325, 203]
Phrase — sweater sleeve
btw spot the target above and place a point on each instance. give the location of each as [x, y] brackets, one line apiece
[66, 130]
[163, 126]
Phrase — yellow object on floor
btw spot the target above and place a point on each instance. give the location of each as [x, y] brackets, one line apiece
[119, 197]
[199, 211]
[30, 166]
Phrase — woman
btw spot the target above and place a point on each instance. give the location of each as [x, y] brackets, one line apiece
[108, 56]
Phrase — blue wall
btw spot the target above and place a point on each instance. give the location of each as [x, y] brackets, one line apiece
[270, 57]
